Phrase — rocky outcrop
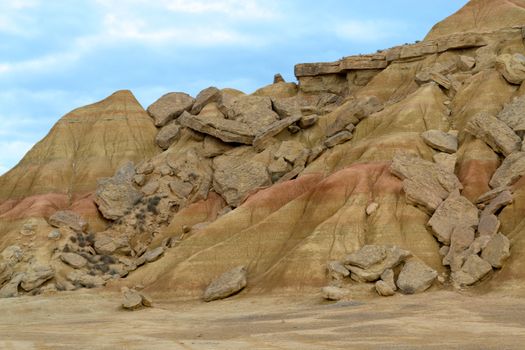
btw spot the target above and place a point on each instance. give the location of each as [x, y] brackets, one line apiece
[441, 141]
[381, 259]
[512, 115]
[511, 170]
[227, 284]
[69, 219]
[415, 277]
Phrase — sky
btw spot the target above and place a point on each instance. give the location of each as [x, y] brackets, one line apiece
[56, 55]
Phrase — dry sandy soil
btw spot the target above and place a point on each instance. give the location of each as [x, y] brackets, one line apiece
[437, 320]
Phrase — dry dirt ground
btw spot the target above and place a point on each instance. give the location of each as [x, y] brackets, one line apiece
[93, 320]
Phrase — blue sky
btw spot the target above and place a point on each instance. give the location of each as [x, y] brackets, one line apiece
[56, 55]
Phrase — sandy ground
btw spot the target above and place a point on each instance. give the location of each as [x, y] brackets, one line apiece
[93, 320]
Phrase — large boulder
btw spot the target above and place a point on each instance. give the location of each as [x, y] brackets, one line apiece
[254, 111]
[512, 67]
[426, 184]
[227, 284]
[169, 107]
[441, 140]
[415, 277]
[367, 256]
[495, 133]
[115, 196]
[206, 96]
[69, 219]
[234, 177]
[511, 170]
[455, 211]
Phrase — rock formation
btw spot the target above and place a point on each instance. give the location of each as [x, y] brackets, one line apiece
[400, 171]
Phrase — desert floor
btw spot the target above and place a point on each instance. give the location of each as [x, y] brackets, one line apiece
[435, 320]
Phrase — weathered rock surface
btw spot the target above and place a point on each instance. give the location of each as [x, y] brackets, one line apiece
[235, 177]
[511, 170]
[440, 140]
[512, 67]
[496, 251]
[336, 270]
[69, 219]
[455, 211]
[81, 278]
[36, 276]
[446, 161]
[116, 196]
[169, 107]
[10, 289]
[133, 300]
[206, 96]
[154, 255]
[498, 135]
[383, 289]
[393, 256]
[227, 284]
[415, 277]
[340, 137]
[366, 256]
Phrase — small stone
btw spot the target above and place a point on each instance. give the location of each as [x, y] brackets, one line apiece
[278, 78]
[446, 161]
[73, 260]
[334, 293]
[150, 188]
[371, 208]
[54, 235]
[366, 256]
[490, 195]
[488, 225]
[340, 137]
[383, 289]
[472, 271]
[131, 299]
[336, 270]
[294, 129]
[510, 171]
[466, 63]
[308, 120]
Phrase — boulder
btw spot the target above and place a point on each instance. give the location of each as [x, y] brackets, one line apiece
[366, 256]
[334, 293]
[455, 211]
[394, 257]
[12, 254]
[267, 132]
[388, 277]
[472, 271]
[440, 140]
[425, 184]
[503, 199]
[36, 276]
[6, 272]
[512, 67]
[69, 219]
[336, 270]
[116, 196]
[235, 177]
[278, 78]
[490, 195]
[415, 277]
[466, 63]
[512, 114]
[180, 188]
[383, 289]
[511, 170]
[219, 127]
[167, 135]
[446, 161]
[495, 133]
[254, 111]
[150, 188]
[496, 251]
[460, 240]
[206, 96]
[169, 107]
[308, 121]
[227, 284]
[488, 225]
[131, 299]
[74, 260]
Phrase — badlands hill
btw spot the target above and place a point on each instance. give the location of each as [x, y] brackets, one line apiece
[403, 166]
